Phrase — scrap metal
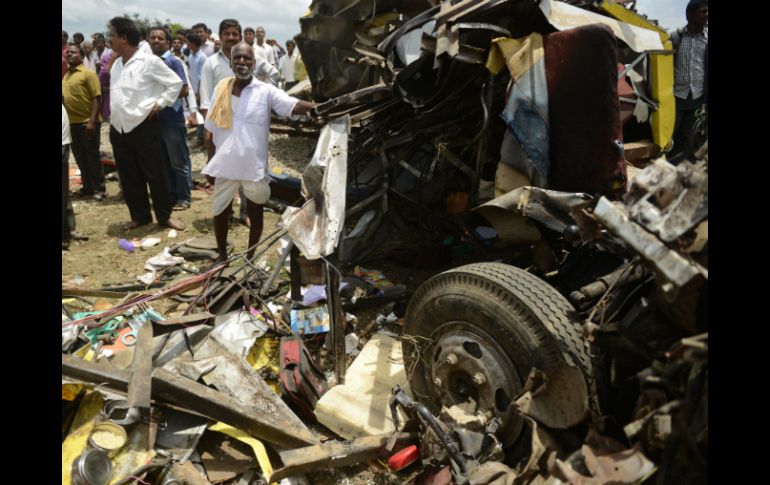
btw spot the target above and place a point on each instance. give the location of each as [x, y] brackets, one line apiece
[259, 421]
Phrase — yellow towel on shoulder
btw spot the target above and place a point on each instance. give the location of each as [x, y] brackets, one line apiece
[222, 114]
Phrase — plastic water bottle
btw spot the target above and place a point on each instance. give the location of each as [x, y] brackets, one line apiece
[126, 245]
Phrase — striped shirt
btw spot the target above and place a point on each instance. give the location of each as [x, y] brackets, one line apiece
[689, 71]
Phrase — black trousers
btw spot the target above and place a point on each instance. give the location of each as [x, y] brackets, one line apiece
[67, 214]
[685, 119]
[141, 160]
[86, 151]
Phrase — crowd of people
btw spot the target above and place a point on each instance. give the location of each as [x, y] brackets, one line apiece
[150, 86]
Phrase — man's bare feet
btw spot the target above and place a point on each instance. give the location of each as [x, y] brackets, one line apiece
[173, 224]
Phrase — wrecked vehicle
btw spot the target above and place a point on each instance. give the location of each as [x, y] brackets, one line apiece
[573, 349]
[551, 107]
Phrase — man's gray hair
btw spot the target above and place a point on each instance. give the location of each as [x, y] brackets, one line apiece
[244, 44]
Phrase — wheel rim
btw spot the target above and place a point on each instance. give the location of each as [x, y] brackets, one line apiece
[470, 369]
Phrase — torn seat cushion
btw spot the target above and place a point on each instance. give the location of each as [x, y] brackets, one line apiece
[302, 381]
[585, 129]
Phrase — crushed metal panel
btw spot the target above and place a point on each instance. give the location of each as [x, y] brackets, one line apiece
[172, 388]
[224, 457]
[232, 375]
[332, 454]
[670, 264]
[669, 200]
[563, 17]
[408, 45]
[181, 433]
[548, 207]
[626, 467]
[315, 228]
[561, 402]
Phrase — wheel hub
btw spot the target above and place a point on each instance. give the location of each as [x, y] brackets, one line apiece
[471, 370]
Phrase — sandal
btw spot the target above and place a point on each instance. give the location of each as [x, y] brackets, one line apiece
[134, 224]
[173, 224]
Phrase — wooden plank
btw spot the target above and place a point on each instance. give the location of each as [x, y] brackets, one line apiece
[639, 153]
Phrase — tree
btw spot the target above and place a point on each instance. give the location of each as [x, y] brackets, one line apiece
[144, 23]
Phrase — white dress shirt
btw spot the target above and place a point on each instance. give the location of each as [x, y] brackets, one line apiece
[265, 51]
[217, 67]
[137, 86]
[144, 46]
[208, 48]
[287, 66]
[241, 151]
[65, 127]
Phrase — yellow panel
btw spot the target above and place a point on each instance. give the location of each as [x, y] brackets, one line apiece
[662, 90]
[265, 353]
[661, 75]
[75, 442]
[259, 449]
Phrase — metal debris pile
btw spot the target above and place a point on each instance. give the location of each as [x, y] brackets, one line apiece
[573, 348]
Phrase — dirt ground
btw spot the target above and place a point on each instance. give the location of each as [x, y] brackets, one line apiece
[100, 261]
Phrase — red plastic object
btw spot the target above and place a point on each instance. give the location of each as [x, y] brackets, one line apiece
[404, 458]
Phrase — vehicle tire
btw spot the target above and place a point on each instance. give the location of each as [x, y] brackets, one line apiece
[490, 319]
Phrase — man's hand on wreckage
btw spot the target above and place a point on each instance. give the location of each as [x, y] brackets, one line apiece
[304, 108]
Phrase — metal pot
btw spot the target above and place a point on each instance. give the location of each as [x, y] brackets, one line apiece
[93, 467]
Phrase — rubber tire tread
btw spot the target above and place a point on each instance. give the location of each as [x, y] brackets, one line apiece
[549, 317]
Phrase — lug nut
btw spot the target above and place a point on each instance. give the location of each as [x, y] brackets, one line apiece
[437, 382]
[450, 359]
[479, 379]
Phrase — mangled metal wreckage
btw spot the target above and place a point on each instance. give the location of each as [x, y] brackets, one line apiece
[591, 365]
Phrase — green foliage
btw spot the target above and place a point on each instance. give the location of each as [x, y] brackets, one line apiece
[176, 28]
[145, 23]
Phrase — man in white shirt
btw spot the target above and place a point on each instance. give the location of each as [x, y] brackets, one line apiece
[217, 67]
[262, 49]
[144, 46]
[248, 36]
[196, 59]
[278, 51]
[286, 66]
[141, 86]
[239, 121]
[207, 45]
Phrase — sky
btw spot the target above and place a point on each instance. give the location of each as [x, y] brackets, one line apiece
[278, 17]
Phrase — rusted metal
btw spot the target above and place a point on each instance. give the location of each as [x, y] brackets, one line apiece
[333, 454]
[337, 320]
[169, 387]
[186, 320]
[676, 269]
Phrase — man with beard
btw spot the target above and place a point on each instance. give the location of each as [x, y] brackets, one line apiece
[239, 122]
[217, 67]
